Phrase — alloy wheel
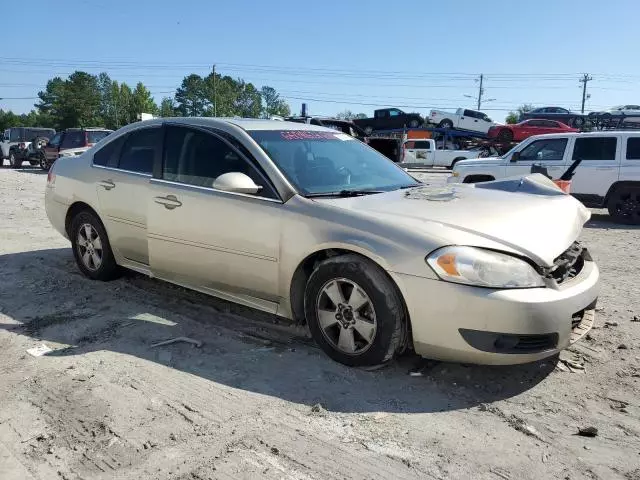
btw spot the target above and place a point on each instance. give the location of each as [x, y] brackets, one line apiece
[346, 316]
[89, 247]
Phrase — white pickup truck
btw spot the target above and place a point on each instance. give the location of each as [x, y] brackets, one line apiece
[462, 119]
[423, 152]
[607, 177]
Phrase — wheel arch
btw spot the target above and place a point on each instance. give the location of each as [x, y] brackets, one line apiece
[616, 185]
[306, 266]
[76, 208]
[478, 178]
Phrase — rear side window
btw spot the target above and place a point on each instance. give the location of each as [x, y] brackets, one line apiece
[596, 148]
[138, 151]
[74, 139]
[422, 145]
[107, 156]
[94, 136]
[633, 148]
[55, 140]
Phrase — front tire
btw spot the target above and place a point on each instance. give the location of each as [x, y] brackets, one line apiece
[91, 247]
[414, 123]
[354, 311]
[624, 205]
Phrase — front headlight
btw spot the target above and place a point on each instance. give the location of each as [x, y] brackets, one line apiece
[483, 268]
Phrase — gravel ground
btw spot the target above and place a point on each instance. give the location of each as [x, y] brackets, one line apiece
[259, 400]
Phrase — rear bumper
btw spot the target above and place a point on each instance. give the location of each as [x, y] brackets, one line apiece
[460, 323]
[56, 211]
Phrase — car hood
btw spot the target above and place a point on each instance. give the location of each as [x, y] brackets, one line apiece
[526, 215]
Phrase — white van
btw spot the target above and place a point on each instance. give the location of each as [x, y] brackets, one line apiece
[607, 177]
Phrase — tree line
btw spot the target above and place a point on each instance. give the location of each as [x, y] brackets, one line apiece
[86, 100]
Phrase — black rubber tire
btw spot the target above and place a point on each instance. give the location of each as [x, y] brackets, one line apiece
[368, 130]
[44, 163]
[616, 208]
[445, 124]
[414, 123]
[384, 295]
[109, 269]
[578, 122]
[13, 160]
[505, 135]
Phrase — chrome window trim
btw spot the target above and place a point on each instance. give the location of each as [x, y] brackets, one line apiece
[197, 188]
[114, 169]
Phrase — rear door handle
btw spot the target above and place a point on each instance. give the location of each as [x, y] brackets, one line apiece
[107, 184]
[170, 202]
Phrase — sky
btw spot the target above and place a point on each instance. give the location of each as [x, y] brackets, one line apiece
[337, 55]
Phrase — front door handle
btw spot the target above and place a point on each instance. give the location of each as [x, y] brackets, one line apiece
[107, 184]
[170, 202]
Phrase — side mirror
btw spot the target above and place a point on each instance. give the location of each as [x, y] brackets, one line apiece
[515, 157]
[236, 182]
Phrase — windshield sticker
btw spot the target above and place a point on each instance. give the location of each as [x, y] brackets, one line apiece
[310, 135]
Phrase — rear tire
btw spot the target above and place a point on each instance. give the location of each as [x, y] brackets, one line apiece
[624, 205]
[505, 135]
[414, 123]
[91, 247]
[354, 311]
[445, 124]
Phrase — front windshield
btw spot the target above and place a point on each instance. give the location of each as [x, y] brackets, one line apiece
[322, 162]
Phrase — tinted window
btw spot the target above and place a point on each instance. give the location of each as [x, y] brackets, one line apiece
[198, 158]
[107, 156]
[394, 113]
[94, 136]
[468, 113]
[55, 140]
[139, 149]
[535, 123]
[73, 139]
[549, 124]
[597, 148]
[633, 148]
[15, 135]
[422, 145]
[33, 133]
[547, 149]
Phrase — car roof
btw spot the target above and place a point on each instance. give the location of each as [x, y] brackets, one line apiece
[604, 133]
[244, 123]
[88, 129]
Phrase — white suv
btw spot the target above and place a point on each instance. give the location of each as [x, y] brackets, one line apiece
[608, 176]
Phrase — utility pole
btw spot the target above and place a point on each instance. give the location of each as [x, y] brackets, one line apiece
[480, 91]
[215, 98]
[586, 78]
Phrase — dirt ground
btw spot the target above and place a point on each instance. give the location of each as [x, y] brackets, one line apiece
[259, 400]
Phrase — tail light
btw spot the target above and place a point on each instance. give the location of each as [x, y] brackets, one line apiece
[51, 177]
[433, 114]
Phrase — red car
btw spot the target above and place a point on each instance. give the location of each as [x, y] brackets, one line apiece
[528, 128]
